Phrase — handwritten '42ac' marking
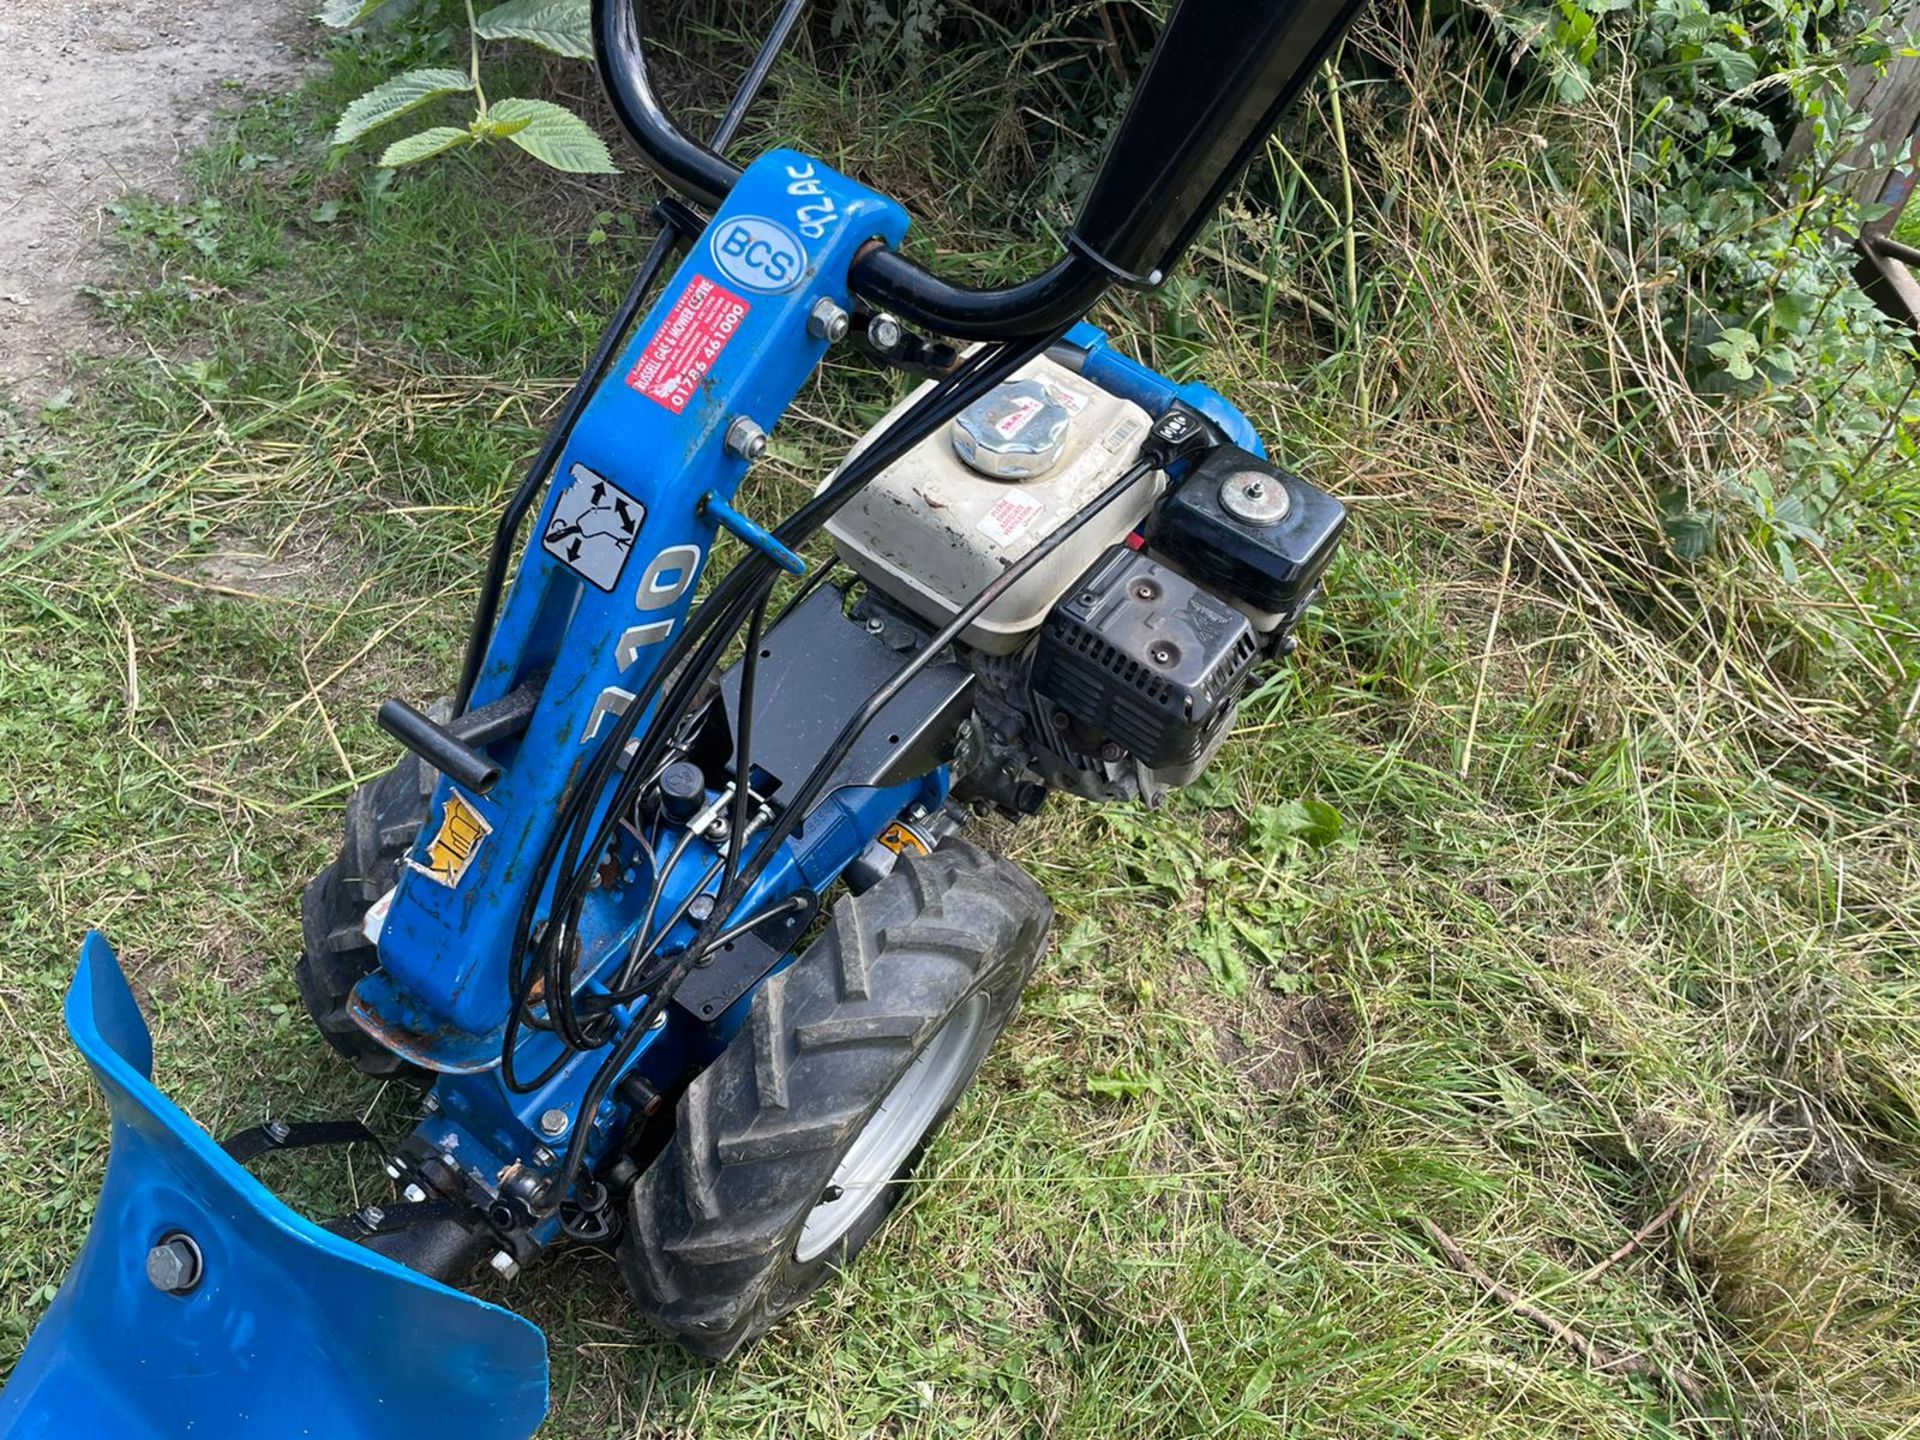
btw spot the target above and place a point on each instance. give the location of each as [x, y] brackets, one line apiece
[818, 214]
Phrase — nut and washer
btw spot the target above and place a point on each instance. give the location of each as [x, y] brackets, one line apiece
[745, 440]
[554, 1122]
[1255, 498]
[827, 321]
[884, 333]
[174, 1266]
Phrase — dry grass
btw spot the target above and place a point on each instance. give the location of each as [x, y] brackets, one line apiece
[1610, 975]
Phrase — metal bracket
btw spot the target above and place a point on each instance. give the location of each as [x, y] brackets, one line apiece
[743, 963]
[372, 1220]
[247, 1145]
[812, 662]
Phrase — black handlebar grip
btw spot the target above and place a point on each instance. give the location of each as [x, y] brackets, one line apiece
[1221, 77]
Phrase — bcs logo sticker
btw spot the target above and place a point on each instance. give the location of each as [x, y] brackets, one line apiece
[758, 254]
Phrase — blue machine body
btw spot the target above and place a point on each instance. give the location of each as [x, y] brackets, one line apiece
[727, 341]
[292, 1330]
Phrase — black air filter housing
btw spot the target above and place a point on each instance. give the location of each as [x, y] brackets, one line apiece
[1142, 656]
[1249, 529]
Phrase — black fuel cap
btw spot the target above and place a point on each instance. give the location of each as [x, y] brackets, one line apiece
[683, 789]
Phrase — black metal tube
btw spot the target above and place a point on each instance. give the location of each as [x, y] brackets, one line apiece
[1221, 77]
[882, 277]
[621, 55]
[1054, 298]
[438, 746]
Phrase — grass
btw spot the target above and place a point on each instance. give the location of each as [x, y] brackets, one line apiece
[1607, 970]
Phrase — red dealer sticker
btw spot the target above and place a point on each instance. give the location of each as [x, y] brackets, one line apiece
[689, 340]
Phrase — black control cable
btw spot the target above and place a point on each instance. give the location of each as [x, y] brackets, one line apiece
[719, 922]
[690, 658]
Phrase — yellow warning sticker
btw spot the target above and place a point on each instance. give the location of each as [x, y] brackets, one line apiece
[901, 839]
[450, 854]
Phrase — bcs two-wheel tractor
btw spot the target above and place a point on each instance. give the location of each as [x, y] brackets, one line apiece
[668, 910]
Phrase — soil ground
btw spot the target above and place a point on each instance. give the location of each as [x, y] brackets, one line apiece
[101, 98]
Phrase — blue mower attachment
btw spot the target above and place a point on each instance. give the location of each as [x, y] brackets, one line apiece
[665, 914]
[203, 1306]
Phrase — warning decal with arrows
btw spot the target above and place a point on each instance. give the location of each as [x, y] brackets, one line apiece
[592, 529]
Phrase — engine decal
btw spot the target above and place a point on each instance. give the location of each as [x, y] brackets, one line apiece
[1009, 519]
[592, 528]
[682, 351]
[451, 853]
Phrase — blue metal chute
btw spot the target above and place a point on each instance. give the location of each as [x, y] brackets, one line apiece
[289, 1331]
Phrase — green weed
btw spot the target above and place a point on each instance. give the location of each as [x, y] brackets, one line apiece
[1560, 895]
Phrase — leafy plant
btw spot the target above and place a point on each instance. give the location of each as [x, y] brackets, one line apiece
[551, 133]
[1739, 217]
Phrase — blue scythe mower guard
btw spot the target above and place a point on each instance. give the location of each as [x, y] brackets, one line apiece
[290, 1331]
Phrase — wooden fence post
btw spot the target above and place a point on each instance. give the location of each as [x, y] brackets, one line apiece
[1892, 99]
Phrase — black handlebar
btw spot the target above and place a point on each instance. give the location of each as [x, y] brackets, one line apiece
[1219, 80]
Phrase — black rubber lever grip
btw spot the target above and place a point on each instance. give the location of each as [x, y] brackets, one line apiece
[438, 746]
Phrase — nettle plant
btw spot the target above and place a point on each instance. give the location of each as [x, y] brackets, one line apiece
[551, 133]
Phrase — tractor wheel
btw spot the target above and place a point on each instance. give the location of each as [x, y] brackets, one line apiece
[383, 818]
[795, 1144]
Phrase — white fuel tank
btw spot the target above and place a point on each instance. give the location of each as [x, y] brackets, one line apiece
[938, 525]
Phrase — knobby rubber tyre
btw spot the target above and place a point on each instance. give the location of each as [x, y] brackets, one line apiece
[712, 1251]
[383, 818]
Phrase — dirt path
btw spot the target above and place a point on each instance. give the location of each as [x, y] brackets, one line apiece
[97, 98]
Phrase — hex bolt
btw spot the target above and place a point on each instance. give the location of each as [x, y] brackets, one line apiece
[827, 321]
[414, 1195]
[504, 1265]
[543, 1156]
[745, 439]
[430, 1102]
[700, 907]
[173, 1266]
[392, 1167]
[554, 1122]
[278, 1131]
[372, 1216]
[884, 333]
